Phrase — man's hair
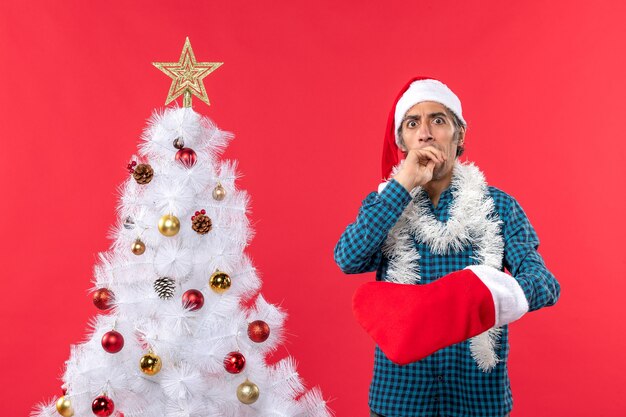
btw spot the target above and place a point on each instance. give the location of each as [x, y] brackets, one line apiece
[456, 122]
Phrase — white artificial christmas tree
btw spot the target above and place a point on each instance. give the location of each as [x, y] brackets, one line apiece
[175, 339]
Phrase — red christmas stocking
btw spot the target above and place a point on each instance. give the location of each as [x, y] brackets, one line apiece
[409, 322]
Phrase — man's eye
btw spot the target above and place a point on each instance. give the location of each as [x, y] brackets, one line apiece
[438, 121]
[411, 123]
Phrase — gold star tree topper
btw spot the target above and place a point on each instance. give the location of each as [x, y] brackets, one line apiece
[187, 76]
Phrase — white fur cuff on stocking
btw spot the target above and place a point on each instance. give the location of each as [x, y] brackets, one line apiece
[508, 297]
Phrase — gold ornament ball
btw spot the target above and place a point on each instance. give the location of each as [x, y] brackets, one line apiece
[219, 282]
[138, 247]
[169, 225]
[247, 392]
[150, 364]
[219, 193]
[64, 407]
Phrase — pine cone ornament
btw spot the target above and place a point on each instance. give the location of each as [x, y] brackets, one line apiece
[143, 173]
[164, 287]
[201, 223]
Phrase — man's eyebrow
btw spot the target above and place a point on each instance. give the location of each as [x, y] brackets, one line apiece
[430, 115]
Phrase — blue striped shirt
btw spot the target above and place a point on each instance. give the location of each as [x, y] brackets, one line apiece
[448, 382]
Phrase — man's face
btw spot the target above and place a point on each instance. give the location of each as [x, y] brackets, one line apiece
[430, 124]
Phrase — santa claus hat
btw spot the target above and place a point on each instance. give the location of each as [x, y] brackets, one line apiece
[415, 91]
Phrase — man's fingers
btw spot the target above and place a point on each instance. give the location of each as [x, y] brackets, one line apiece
[430, 166]
[426, 156]
[427, 153]
[438, 154]
[426, 171]
[427, 167]
[419, 157]
[418, 168]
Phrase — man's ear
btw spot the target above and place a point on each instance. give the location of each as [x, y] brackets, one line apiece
[402, 148]
[461, 136]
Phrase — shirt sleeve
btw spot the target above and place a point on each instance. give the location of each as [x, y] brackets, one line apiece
[525, 263]
[359, 247]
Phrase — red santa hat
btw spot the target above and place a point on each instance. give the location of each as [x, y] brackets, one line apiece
[415, 91]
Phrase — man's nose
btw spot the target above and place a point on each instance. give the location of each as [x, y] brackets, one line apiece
[424, 134]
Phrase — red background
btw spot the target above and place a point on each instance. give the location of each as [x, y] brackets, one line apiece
[306, 87]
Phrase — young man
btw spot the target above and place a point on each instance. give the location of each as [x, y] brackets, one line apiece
[442, 345]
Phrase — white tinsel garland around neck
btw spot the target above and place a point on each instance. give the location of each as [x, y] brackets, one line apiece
[473, 221]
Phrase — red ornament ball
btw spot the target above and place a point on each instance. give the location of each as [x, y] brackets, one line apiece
[187, 157]
[258, 331]
[103, 406]
[234, 362]
[193, 300]
[103, 298]
[112, 341]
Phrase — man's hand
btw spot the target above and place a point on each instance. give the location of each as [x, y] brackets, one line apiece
[418, 167]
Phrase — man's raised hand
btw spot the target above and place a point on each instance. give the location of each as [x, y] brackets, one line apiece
[418, 167]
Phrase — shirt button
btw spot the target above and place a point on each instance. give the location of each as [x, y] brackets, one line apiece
[440, 377]
[436, 398]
